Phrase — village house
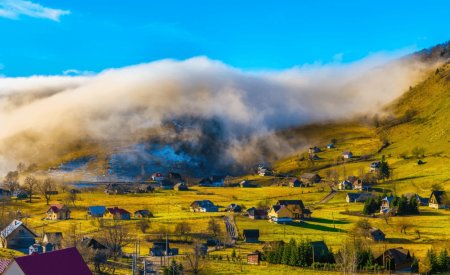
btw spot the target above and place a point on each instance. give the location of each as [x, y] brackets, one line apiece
[144, 213]
[295, 182]
[310, 178]
[117, 189]
[376, 235]
[345, 185]
[375, 166]
[280, 214]
[17, 236]
[117, 213]
[330, 145]
[65, 261]
[386, 204]
[213, 181]
[397, 259]
[58, 212]
[438, 200]
[4, 193]
[181, 186]
[166, 184]
[87, 242]
[257, 214]
[204, 206]
[313, 150]
[35, 248]
[297, 209]
[264, 171]
[157, 176]
[52, 241]
[359, 184]
[358, 197]
[247, 184]
[251, 235]
[347, 155]
[234, 208]
[96, 211]
[160, 249]
[254, 258]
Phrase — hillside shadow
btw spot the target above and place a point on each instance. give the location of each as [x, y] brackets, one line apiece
[431, 214]
[410, 178]
[398, 240]
[316, 227]
[328, 221]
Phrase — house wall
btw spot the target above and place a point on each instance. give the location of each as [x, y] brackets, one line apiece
[20, 239]
[13, 269]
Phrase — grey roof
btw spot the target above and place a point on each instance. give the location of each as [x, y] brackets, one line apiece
[12, 227]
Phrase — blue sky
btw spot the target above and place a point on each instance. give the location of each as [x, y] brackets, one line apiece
[53, 36]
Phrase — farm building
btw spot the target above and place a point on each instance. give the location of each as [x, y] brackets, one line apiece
[58, 212]
[386, 204]
[204, 206]
[397, 259]
[257, 214]
[181, 186]
[96, 211]
[212, 181]
[376, 234]
[52, 241]
[280, 214]
[143, 214]
[234, 208]
[295, 182]
[118, 213]
[160, 249]
[345, 185]
[297, 209]
[17, 236]
[358, 197]
[251, 235]
[157, 176]
[347, 155]
[438, 200]
[310, 178]
[254, 258]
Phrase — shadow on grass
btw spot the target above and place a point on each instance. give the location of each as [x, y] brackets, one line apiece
[398, 240]
[410, 178]
[315, 227]
[328, 221]
[430, 213]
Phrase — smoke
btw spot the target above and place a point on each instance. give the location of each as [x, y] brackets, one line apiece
[220, 114]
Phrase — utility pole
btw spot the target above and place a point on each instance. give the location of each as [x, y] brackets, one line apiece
[332, 216]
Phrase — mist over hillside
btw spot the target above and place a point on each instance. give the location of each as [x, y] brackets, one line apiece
[205, 115]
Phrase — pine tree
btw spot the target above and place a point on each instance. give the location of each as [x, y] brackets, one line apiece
[384, 171]
[286, 254]
[442, 261]
[294, 257]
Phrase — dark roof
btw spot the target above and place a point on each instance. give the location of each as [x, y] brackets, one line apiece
[400, 255]
[143, 212]
[53, 237]
[65, 261]
[92, 243]
[276, 207]
[202, 203]
[256, 212]
[291, 202]
[58, 207]
[97, 210]
[251, 233]
[118, 211]
[440, 196]
[4, 264]
[353, 196]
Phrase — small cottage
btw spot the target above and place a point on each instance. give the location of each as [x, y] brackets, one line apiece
[376, 235]
[297, 209]
[345, 185]
[314, 150]
[280, 214]
[35, 248]
[160, 249]
[438, 200]
[58, 212]
[251, 235]
[181, 186]
[87, 242]
[52, 241]
[347, 155]
[157, 176]
[257, 214]
[295, 182]
[397, 259]
[96, 211]
[310, 178]
[358, 197]
[213, 181]
[117, 213]
[17, 236]
[386, 204]
[204, 206]
[234, 208]
[264, 171]
[330, 145]
[247, 184]
[375, 166]
[254, 258]
[143, 214]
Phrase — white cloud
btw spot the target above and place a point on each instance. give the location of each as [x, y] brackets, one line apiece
[13, 9]
[75, 72]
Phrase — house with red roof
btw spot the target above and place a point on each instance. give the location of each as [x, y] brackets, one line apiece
[65, 261]
[118, 213]
[58, 212]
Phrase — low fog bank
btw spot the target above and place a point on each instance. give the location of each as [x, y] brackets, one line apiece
[213, 115]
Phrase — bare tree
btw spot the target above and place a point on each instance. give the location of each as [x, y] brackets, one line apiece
[21, 167]
[214, 227]
[183, 228]
[30, 185]
[12, 180]
[72, 197]
[115, 236]
[143, 225]
[193, 258]
[71, 237]
[347, 258]
[46, 188]
[362, 228]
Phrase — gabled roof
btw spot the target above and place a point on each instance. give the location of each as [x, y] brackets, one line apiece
[117, 211]
[202, 203]
[251, 233]
[291, 202]
[440, 196]
[53, 237]
[65, 261]
[353, 196]
[92, 243]
[4, 264]
[400, 255]
[97, 210]
[276, 208]
[12, 227]
[57, 207]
